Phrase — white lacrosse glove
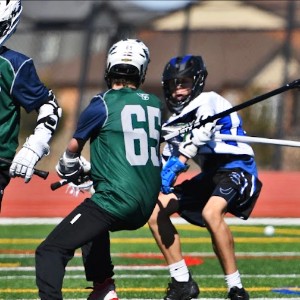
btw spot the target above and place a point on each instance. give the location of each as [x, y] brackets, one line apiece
[86, 165]
[25, 160]
[71, 167]
[204, 134]
[81, 185]
[187, 148]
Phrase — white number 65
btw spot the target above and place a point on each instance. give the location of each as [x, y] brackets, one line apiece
[136, 139]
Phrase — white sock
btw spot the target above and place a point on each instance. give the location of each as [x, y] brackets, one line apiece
[233, 279]
[179, 271]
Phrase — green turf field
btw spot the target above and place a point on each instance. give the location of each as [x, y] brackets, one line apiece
[270, 266]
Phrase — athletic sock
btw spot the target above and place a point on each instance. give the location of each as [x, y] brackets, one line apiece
[179, 271]
[233, 279]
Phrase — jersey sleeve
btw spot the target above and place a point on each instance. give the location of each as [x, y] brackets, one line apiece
[91, 119]
[27, 88]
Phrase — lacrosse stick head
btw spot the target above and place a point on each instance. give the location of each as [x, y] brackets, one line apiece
[10, 12]
[74, 189]
[127, 59]
[178, 70]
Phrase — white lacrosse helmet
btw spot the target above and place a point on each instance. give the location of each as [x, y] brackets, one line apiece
[10, 11]
[127, 59]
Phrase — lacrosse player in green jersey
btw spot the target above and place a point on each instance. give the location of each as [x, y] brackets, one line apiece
[20, 86]
[123, 126]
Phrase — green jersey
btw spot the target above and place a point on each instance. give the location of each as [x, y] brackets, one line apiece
[20, 86]
[124, 130]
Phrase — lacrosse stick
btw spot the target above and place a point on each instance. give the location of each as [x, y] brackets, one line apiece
[252, 139]
[190, 126]
[56, 185]
[74, 189]
[40, 173]
[85, 184]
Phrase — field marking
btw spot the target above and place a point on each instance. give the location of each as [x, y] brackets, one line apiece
[150, 240]
[148, 289]
[12, 277]
[191, 299]
[175, 220]
[9, 253]
[14, 268]
[179, 221]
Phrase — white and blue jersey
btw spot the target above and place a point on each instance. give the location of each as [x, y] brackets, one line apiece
[209, 104]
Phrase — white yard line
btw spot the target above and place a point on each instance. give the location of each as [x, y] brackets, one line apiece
[193, 254]
[230, 221]
[11, 277]
[191, 299]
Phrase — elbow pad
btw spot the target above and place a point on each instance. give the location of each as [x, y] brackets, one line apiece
[49, 114]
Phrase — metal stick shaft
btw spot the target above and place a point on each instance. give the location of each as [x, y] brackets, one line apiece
[252, 139]
[190, 126]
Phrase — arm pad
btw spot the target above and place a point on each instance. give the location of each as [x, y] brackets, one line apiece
[36, 145]
[49, 115]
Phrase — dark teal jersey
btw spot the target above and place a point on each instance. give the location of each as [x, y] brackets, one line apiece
[19, 87]
[124, 130]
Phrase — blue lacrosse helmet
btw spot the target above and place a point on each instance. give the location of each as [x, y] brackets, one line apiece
[188, 66]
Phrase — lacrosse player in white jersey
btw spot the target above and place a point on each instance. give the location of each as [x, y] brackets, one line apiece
[228, 182]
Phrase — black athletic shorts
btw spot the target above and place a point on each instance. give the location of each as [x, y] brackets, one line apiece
[4, 181]
[239, 188]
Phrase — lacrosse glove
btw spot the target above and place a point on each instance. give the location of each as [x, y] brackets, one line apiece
[170, 172]
[188, 148]
[25, 160]
[203, 134]
[71, 167]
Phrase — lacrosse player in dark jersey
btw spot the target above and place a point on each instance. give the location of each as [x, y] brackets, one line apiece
[123, 126]
[20, 86]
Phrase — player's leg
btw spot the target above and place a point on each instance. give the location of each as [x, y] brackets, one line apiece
[163, 231]
[234, 192]
[223, 245]
[167, 238]
[213, 214]
[82, 225]
[99, 268]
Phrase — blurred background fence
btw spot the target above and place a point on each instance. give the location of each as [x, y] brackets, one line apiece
[249, 47]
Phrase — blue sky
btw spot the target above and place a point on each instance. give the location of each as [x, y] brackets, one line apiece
[161, 4]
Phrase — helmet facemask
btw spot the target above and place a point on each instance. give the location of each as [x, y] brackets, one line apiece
[183, 68]
[10, 12]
